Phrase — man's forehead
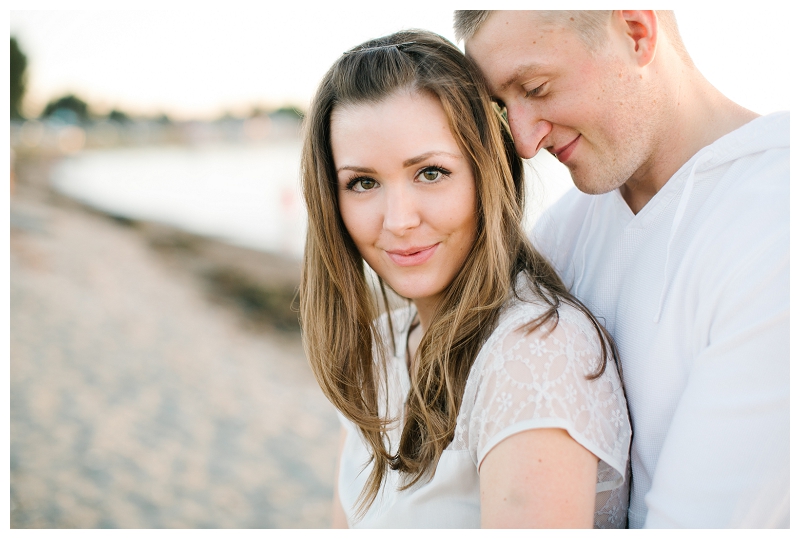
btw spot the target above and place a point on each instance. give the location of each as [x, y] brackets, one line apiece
[507, 48]
[499, 20]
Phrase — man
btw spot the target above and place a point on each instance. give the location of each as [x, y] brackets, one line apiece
[677, 238]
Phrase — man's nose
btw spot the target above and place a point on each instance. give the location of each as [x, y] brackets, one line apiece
[401, 213]
[528, 132]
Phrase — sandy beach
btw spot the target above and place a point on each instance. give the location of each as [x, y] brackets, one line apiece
[157, 379]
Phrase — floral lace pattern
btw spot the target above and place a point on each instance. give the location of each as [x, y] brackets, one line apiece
[523, 380]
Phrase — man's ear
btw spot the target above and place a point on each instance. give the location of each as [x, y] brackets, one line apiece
[642, 31]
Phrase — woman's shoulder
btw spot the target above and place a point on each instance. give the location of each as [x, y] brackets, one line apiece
[527, 317]
[542, 340]
[536, 371]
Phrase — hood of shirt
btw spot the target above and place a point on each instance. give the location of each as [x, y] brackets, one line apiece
[759, 135]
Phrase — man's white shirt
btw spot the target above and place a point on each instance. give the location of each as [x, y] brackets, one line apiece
[695, 290]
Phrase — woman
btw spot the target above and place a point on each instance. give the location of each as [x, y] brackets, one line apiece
[488, 400]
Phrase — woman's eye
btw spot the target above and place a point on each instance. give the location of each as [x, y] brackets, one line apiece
[430, 175]
[366, 184]
[433, 174]
[363, 184]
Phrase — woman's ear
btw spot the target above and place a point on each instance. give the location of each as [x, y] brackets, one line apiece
[641, 30]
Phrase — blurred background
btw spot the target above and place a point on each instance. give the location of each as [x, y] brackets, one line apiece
[157, 378]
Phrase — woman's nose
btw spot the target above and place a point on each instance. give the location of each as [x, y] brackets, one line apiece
[402, 213]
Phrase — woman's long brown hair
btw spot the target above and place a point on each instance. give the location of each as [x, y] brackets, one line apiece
[338, 312]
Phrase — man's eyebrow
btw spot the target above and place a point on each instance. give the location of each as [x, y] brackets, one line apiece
[422, 157]
[518, 73]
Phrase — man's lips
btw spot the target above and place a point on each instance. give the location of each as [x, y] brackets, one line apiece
[413, 256]
[563, 153]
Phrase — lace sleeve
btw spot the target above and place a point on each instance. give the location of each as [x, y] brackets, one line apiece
[525, 380]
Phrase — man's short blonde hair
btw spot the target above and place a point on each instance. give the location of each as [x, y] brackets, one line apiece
[588, 24]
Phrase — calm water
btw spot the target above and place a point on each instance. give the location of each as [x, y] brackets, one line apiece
[244, 194]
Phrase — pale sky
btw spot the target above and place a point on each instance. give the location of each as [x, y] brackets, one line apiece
[199, 60]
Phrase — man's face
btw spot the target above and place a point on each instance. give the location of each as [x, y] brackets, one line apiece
[584, 108]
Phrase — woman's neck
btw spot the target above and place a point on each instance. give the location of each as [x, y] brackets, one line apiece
[413, 339]
[425, 309]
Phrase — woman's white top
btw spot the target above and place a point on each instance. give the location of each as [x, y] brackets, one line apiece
[519, 381]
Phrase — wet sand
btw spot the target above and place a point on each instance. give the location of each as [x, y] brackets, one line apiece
[156, 379]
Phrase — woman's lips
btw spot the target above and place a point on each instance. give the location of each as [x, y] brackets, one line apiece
[562, 154]
[412, 257]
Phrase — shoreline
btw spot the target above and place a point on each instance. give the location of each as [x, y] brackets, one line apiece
[155, 380]
[259, 286]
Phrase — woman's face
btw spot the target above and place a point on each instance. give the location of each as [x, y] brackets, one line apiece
[406, 192]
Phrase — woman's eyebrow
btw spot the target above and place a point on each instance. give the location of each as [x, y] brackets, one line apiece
[354, 168]
[422, 157]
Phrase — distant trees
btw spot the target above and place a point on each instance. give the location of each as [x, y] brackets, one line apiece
[69, 108]
[291, 112]
[118, 116]
[19, 62]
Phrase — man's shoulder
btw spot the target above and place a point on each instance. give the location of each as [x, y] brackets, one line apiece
[568, 206]
[752, 155]
[739, 233]
[559, 226]
[742, 183]
[564, 216]
[763, 133]
[754, 187]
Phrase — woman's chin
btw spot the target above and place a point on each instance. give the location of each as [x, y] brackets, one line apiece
[422, 299]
